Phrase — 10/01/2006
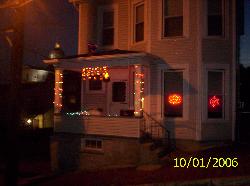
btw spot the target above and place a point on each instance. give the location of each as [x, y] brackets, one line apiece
[201, 163]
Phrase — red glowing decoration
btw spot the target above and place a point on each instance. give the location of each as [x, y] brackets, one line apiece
[175, 99]
[214, 102]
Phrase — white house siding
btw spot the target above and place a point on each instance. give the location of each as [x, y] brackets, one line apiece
[176, 51]
[126, 127]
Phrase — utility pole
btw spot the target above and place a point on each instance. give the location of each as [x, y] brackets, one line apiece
[14, 105]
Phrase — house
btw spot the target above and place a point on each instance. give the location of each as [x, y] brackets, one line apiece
[164, 68]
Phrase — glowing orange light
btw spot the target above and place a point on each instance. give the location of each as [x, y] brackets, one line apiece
[174, 99]
[214, 102]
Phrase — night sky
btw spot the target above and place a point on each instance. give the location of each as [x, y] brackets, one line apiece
[47, 22]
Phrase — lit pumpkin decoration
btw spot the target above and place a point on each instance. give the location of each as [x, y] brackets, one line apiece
[214, 102]
[96, 73]
[175, 99]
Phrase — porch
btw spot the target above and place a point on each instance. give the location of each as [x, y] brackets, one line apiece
[99, 125]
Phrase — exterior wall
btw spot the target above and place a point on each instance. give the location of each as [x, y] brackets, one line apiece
[68, 152]
[115, 152]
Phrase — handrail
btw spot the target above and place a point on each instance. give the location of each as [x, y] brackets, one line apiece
[154, 120]
[158, 123]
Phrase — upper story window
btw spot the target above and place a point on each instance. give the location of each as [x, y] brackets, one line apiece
[173, 18]
[108, 28]
[215, 16]
[139, 22]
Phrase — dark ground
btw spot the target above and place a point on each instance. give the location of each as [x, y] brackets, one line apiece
[31, 171]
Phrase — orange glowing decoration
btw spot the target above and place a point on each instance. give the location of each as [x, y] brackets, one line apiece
[95, 73]
[175, 99]
[214, 102]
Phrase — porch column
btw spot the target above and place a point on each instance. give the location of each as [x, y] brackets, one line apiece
[139, 90]
[58, 90]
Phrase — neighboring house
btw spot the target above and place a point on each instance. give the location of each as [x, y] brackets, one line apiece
[37, 97]
[170, 62]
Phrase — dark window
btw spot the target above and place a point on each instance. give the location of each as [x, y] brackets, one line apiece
[71, 91]
[108, 28]
[119, 92]
[139, 23]
[173, 18]
[93, 144]
[95, 84]
[173, 94]
[215, 94]
[214, 17]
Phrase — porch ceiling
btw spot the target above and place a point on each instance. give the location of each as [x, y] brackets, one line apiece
[114, 60]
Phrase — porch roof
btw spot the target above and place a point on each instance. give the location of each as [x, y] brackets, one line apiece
[113, 58]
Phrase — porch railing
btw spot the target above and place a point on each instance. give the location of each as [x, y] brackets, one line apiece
[155, 130]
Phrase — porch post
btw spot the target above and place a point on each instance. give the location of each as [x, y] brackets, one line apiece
[58, 90]
[139, 90]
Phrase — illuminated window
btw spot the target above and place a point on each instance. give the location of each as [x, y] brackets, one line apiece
[215, 100]
[139, 22]
[173, 94]
[173, 18]
[215, 17]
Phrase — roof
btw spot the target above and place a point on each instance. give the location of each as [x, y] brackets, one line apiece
[100, 53]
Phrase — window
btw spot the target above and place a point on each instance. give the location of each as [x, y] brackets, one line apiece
[173, 93]
[119, 92]
[139, 22]
[215, 17]
[95, 144]
[108, 28]
[173, 18]
[215, 92]
[95, 84]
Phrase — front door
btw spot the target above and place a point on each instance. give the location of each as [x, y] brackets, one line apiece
[118, 92]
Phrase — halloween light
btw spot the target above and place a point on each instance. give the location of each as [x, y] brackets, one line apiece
[175, 99]
[139, 91]
[214, 102]
[95, 73]
[58, 90]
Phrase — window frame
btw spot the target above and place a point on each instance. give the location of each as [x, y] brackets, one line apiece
[84, 148]
[224, 20]
[216, 67]
[101, 10]
[173, 16]
[182, 93]
[185, 69]
[88, 91]
[222, 94]
[135, 5]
